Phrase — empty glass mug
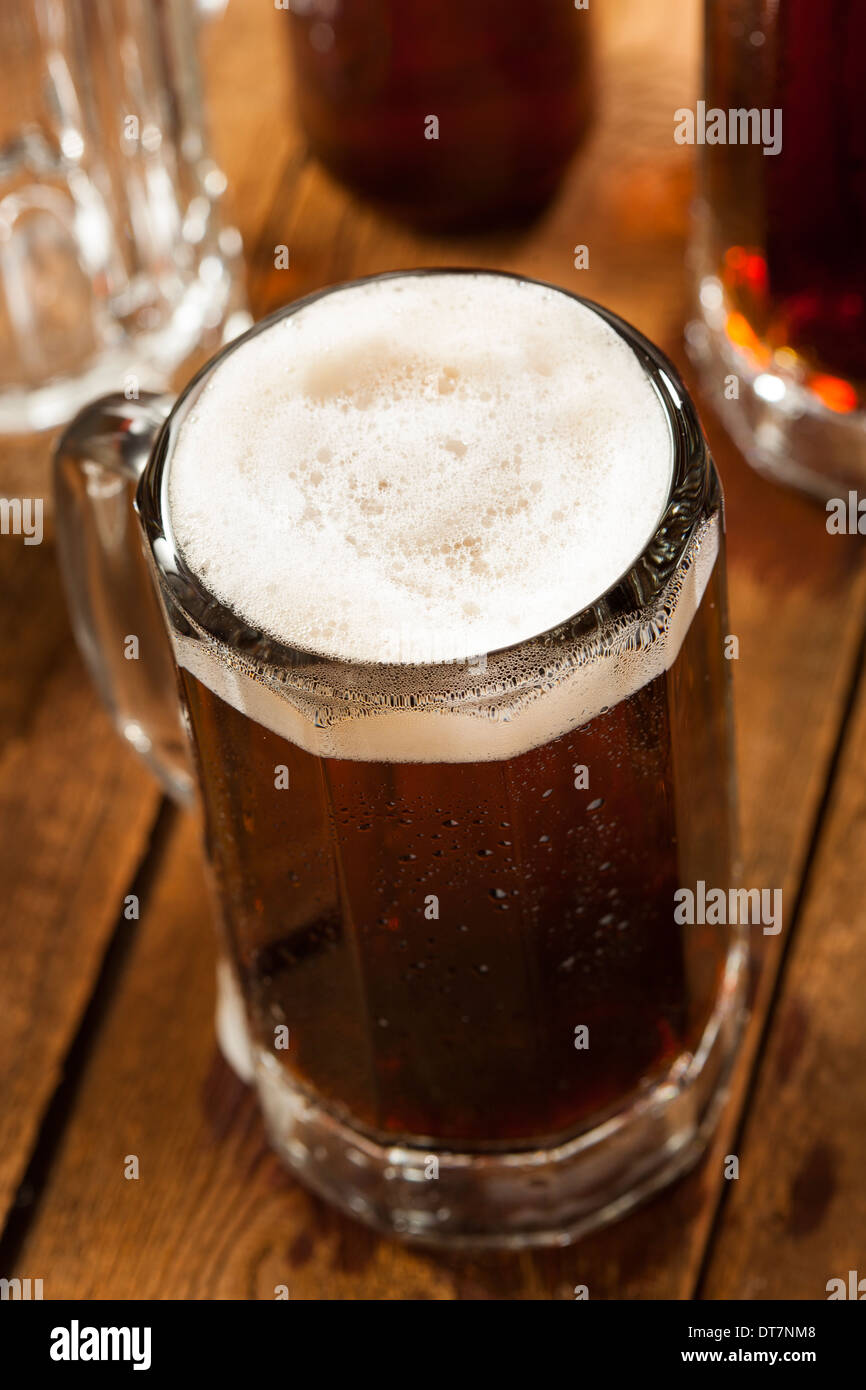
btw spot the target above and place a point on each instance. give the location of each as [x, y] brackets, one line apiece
[114, 268]
[453, 964]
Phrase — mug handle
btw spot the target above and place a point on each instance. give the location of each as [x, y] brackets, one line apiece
[113, 604]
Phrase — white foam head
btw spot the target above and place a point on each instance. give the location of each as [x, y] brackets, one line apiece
[421, 468]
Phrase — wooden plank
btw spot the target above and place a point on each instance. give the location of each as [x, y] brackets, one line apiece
[75, 811]
[796, 1216]
[213, 1216]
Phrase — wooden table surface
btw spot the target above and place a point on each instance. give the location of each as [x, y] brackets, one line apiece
[106, 1032]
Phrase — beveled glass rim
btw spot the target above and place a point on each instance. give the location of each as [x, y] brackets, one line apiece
[693, 485]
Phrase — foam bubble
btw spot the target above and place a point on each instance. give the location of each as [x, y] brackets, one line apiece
[418, 469]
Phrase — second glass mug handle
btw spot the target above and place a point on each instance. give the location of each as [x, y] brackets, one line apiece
[117, 619]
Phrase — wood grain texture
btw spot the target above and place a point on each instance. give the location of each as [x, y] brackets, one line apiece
[75, 811]
[796, 1216]
[212, 1214]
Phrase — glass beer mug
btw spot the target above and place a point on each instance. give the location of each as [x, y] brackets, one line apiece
[446, 880]
[114, 266]
[779, 330]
